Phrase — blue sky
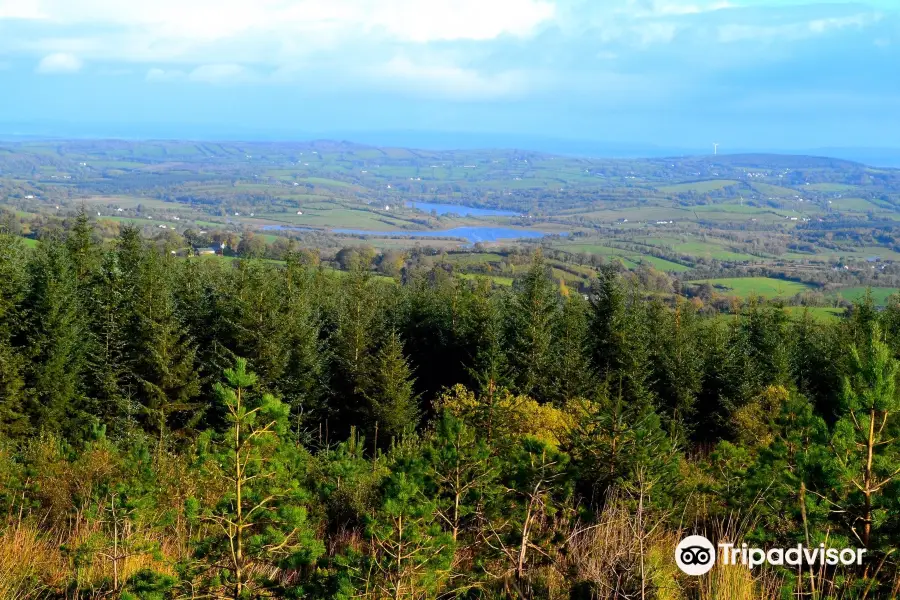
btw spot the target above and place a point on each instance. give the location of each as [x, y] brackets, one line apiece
[766, 74]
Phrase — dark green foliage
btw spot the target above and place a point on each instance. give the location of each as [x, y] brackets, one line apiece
[53, 332]
[392, 400]
[116, 438]
[13, 421]
[531, 323]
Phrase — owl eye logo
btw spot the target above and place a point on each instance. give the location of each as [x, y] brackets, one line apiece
[695, 555]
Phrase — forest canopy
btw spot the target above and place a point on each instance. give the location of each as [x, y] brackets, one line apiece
[188, 427]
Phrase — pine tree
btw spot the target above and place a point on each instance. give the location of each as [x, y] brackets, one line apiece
[866, 439]
[794, 471]
[412, 556]
[13, 420]
[677, 363]
[540, 479]
[620, 338]
[532, 319]
[54, 333]
[461, 467]
[108, 363]
[262, 518]
[162, 354]
[393, 403]
[573, 376]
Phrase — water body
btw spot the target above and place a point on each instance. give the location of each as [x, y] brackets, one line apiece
[465, 211]
[472, 234]
[285, 228]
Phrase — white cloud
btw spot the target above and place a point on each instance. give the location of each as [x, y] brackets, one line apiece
[222, 73]
[21, 9]
[794, 31]
[157, 74]
[449, 81]
[59, 62]
[210, 20]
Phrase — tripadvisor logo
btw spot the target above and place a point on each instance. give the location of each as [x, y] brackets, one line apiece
[696, 555]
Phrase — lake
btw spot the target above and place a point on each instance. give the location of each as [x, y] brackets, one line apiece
[473, 234]
[285, 228]
[465, 211]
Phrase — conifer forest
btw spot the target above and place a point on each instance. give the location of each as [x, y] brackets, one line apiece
[180, 427]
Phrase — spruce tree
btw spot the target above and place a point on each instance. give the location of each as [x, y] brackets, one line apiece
[532, 320]
[82, 247]
[162, 354]
[677, 363]
[620, 338]
[573, 376]
[13, 420]
[353, 339]
[54, 336]
[108, 364]
[393, 403]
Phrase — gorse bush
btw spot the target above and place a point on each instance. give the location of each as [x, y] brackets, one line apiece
[174, 428]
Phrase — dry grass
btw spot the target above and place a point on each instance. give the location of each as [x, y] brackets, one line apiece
[30, 564]
[34, 564]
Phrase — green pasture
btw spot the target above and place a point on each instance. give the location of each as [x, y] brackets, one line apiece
[879, 294]
[698, 187]
[746, 287]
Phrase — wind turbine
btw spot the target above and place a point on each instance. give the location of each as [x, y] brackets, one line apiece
[715, 148]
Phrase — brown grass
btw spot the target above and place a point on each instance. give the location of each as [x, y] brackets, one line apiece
[34, 564]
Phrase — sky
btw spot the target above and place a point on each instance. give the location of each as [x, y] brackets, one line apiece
[761, 74]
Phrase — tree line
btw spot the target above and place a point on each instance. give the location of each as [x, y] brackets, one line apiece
[194, 427]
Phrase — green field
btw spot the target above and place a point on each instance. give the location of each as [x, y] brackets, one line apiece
[818, 313]
[629, 258]
[699, 187]
[879, 294]
[498, 279]
[853, 204]
[765, 287]
[701, 249]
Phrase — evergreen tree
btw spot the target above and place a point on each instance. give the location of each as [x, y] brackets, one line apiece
[620, 338]
[573, 376]
[532, 320]
[540, 479]
[353, 338]
[461, 467]
[108, 363]
[302, 384]
[54, 334]
[411, 555]
[82, 247]
[163, 355]
[616, 442]
[13, 420]
[393, 403]
[490, 371]
[261, 519]
[677, 363]
[866, 440]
